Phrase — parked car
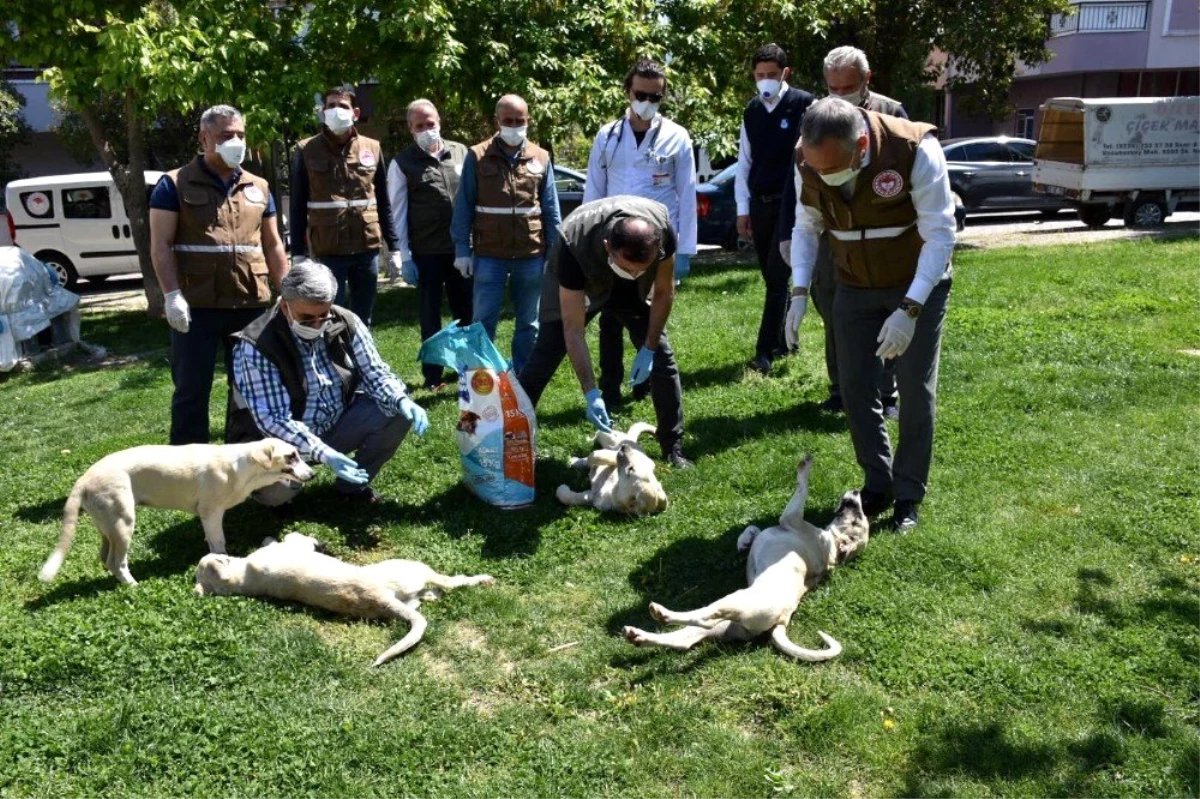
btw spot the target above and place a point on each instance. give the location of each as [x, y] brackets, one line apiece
[75, 224]
[570, 185]
[995, 173]
[716, 211]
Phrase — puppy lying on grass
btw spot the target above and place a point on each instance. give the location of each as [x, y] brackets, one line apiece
[294, 571]
[785, 561]
[621, 474]
[204, 479]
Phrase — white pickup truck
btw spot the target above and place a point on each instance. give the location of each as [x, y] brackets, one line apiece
[1134, 156]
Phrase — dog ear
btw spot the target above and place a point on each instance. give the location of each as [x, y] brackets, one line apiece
[264, 453]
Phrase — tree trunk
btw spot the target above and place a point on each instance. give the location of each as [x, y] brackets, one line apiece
[131, 183]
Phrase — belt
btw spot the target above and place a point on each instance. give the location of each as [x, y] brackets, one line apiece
[212, 248]
[324, 206]
[870, 233]
[532, 210]
[769, 198]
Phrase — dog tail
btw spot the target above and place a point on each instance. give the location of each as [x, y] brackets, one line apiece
[783, 644]
[638, 429]
[66, 537]
[416, 632]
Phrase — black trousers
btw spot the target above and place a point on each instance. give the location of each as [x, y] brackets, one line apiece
[666, 391]
[436, 273]
[764, 227]
[193, 364]
[612, 354]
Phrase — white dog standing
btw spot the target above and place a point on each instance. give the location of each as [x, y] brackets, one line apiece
[292, 570]
[204, 479]
[785, 561]
[621, 475]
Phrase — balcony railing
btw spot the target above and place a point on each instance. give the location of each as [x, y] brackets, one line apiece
[1101, 17]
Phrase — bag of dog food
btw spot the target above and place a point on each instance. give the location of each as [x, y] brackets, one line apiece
[497, 427]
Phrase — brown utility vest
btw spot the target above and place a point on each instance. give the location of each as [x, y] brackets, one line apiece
[881, 200]
[342, 215]
[218, 239]
[508, 205]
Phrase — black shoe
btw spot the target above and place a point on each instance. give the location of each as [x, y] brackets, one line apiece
[904, 519]
[612, 399]
[641, 390]
[761, 364]
[675, 457]
[363, 496]
[833, 404]
[874, 503]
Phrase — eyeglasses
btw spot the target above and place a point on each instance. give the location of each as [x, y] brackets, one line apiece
[653, 97]
[309, 320]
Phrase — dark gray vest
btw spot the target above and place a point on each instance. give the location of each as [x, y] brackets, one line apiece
[432, 184]
[271, 335]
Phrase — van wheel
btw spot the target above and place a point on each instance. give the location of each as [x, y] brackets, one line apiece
[1145, 212]
[68, 278]
[1094, 216]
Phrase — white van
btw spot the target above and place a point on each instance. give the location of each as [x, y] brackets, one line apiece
[75, 224]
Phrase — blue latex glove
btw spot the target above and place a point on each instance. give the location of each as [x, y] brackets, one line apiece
[346, 469]
[683, 266]
[408, 271]
[597, 413]
[642, 364]
[415, 414]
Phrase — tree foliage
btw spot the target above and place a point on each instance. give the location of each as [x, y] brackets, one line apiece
[13, 131]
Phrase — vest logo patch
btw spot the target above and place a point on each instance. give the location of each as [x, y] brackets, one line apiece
[888, 183]
[783, 124]
[535, 167]
[366, 158]
[254, 194]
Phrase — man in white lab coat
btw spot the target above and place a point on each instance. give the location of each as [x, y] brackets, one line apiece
[644, 154]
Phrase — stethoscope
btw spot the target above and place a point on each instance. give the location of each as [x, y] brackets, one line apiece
[618, 129]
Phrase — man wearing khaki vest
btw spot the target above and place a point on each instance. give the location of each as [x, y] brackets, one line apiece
[505, 220]
[217, 253]
[879, 185]
[340, 208]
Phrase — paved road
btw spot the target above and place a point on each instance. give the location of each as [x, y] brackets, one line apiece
[994, 230]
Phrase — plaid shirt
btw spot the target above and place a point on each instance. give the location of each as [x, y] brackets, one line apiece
[262, 388]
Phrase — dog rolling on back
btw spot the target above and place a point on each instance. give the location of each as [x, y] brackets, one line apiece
[784, 562]
[204, 479]
[621, 475]
[292, 570]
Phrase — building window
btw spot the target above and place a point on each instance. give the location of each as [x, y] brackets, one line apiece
[1189, 83]
[1087, 17]
[1025, 117]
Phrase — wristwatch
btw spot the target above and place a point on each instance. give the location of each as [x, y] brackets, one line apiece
[910, 308]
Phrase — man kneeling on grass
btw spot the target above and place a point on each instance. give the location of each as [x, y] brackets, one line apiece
[307, 372]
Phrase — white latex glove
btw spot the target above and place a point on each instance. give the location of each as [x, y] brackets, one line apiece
[791, 325]
[393, 266]
[895, 335]
[178, 315]
[465, 265]
[785, 249]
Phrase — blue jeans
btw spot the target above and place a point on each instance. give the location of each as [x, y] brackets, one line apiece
[525, 276]
[361, 271]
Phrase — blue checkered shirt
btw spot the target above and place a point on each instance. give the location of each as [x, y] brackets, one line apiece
[261, 386]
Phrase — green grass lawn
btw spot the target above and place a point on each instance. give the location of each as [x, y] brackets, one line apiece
[1037, 635]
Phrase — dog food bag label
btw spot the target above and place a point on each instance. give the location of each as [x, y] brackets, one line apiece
[496, 437]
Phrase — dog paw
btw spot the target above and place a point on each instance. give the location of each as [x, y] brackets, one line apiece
[746, 539]
[658, 613]
[486, 579]
[635, 636]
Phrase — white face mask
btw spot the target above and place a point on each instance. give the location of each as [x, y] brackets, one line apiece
[232, 152]
[304, 331]
[619, 271]
[339, 120]
[513, 137]
[854, 98]
[428, 140]
[844, 176]
[769, 88]
[645, 109]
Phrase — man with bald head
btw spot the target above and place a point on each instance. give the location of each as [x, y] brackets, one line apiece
[611, 254]
[506, 218]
